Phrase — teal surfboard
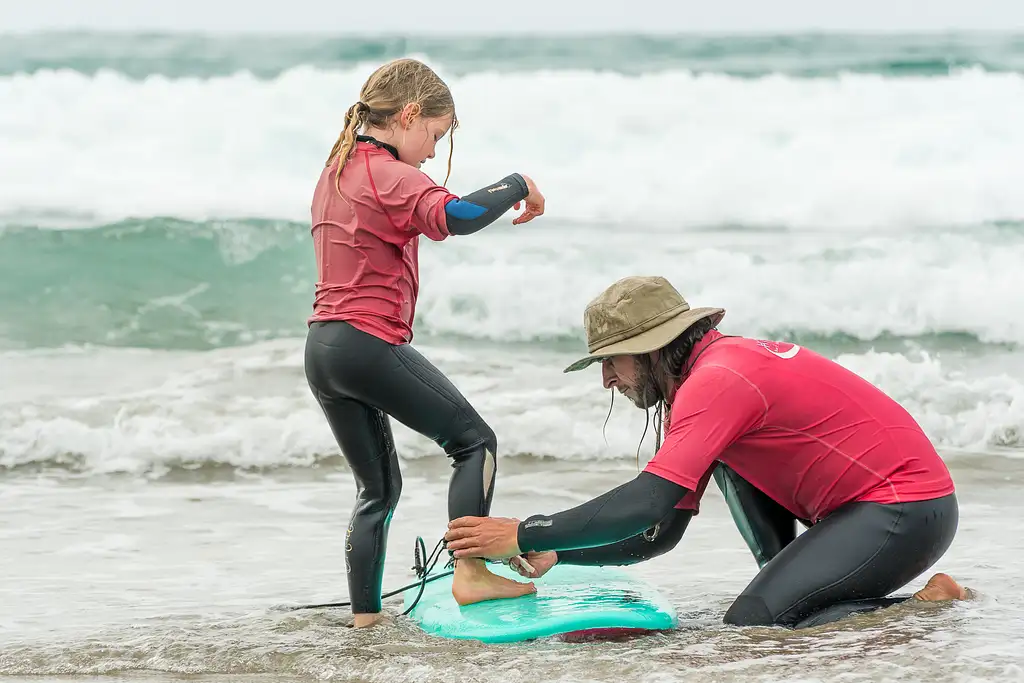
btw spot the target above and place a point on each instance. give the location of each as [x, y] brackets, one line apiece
[571, 600]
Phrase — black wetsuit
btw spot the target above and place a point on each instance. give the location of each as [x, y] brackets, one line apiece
[360, 380]
[848, 562]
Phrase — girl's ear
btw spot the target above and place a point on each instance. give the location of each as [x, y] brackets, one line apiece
[408, 114]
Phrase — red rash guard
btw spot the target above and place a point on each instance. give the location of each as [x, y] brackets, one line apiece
[805, 430]
[366, 237]
[366, 241]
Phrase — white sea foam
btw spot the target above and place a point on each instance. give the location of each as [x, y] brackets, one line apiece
[250, 408]
[511, 285]
[683, 149]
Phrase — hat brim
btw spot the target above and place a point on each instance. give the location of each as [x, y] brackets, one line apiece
[651, 340]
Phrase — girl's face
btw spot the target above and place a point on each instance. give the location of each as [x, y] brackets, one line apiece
[418, 136]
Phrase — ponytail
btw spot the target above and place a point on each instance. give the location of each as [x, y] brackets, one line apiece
[386, 92]
[347, 140]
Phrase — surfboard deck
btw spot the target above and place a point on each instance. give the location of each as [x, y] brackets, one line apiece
[570, 601]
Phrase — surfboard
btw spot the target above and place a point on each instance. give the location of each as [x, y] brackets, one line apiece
[571, 602]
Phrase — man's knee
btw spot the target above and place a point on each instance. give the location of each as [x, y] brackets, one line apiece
[749, 610]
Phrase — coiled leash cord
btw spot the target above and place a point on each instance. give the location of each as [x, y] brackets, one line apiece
[421, 568]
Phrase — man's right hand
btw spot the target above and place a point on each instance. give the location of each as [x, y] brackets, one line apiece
[541, 563]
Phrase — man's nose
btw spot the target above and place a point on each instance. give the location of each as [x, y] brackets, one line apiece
[608, 375]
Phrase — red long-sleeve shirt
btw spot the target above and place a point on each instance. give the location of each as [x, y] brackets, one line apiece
[366, 241]
[806, 431]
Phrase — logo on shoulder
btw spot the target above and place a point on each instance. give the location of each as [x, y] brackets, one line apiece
[537, 522]
[783, 350]
[503, 186]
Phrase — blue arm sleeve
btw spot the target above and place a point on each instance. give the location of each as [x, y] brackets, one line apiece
[479, 209]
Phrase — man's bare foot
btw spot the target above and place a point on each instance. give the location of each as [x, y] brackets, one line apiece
[474, 582]
[368, 620]
[942, 587]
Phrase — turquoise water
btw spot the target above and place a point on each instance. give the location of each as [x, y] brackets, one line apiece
[202, 56]
[162, 283]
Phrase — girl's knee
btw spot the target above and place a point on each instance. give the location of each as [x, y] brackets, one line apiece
[471, 439]
[380, 497]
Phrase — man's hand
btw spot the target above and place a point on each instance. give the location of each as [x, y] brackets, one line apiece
[541, 563]
[492, 538]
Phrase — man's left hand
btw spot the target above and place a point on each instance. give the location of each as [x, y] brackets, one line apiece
[492, 538]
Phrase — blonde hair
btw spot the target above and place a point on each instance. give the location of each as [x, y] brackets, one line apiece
[384, 94]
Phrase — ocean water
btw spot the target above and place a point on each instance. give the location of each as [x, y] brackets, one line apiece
[166, 479]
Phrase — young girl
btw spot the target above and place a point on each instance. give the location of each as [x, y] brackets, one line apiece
[369, 208]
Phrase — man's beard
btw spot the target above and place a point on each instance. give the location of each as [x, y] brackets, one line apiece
[645, 394]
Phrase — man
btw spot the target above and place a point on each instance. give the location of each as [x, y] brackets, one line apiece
[789, 435]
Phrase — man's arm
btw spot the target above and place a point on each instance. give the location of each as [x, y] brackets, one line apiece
[713, 408]
[646, 545]
[615, 516]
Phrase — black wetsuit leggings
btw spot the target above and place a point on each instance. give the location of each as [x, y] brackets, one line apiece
[359, 380]
[847, 563]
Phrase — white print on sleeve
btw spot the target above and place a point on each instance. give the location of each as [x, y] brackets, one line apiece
[783, 350]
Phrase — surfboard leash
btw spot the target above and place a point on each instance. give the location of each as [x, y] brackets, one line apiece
[421, 567]
[422, 570]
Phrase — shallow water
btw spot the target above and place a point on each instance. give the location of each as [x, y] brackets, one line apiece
[153, 580]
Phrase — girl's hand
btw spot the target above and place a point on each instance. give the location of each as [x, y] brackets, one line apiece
[534, 203]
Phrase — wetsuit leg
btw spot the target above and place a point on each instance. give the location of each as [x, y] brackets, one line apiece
[364, 435]
[766, 526]
[344, 361]
[857, 555]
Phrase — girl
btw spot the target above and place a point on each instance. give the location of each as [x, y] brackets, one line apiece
[369, 208]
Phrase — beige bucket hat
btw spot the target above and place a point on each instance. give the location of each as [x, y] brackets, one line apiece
[637, 315]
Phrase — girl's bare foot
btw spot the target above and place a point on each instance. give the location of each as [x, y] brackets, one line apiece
[474, 582]
[367, 620]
